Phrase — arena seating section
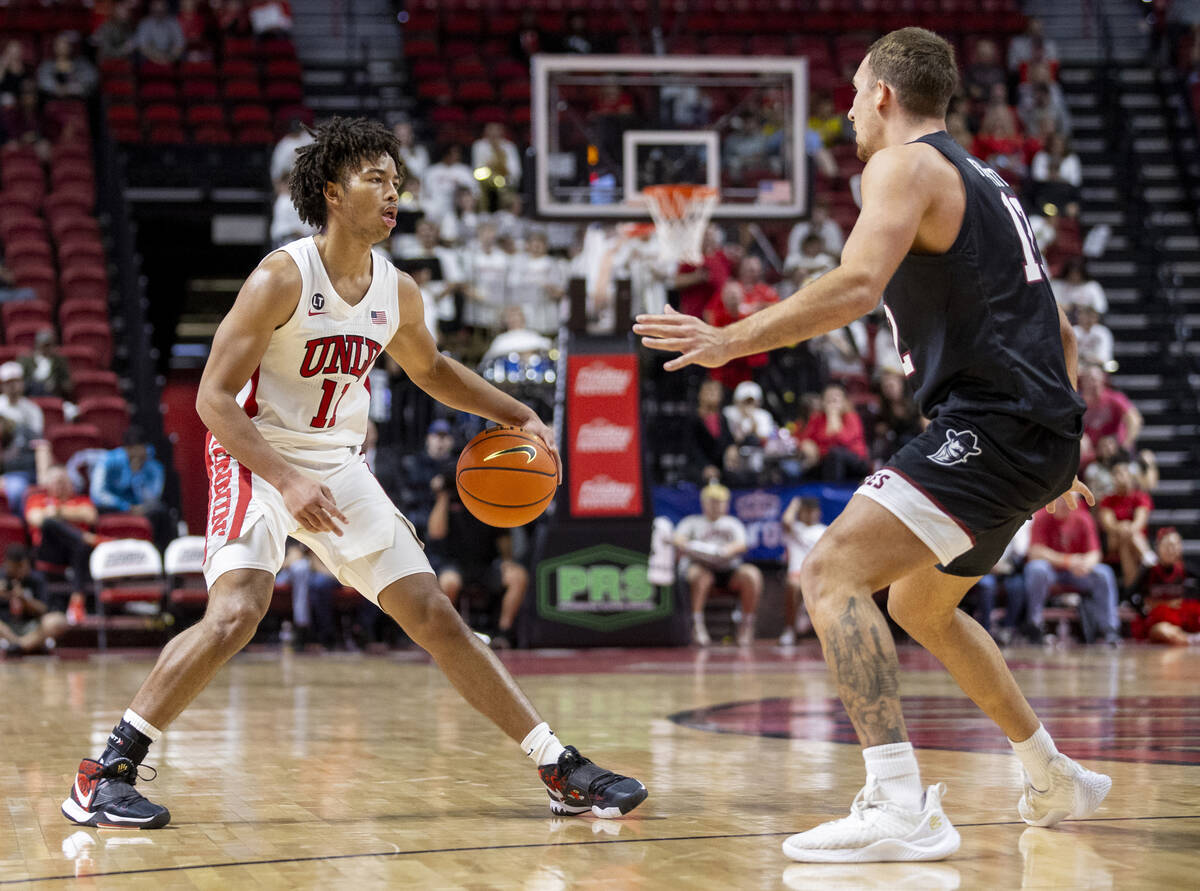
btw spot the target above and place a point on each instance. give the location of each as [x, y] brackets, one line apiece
[246, 98]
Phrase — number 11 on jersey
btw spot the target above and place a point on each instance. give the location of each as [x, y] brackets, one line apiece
[324, 418]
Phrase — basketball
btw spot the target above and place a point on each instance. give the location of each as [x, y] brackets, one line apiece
[506, 477]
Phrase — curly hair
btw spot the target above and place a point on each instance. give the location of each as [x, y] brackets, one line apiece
[340, 145]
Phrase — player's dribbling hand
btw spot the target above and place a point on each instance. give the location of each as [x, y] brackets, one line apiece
[543, 432]
[698, 342]
[311, 504]
[1072, 495]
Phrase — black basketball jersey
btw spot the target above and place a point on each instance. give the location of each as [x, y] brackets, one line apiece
[977, 327]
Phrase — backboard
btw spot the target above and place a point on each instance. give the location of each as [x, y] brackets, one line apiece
[605, 127]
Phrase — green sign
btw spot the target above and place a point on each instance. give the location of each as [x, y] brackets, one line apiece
[603, 588]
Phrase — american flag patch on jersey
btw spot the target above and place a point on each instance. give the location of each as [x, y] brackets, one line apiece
[378, 317]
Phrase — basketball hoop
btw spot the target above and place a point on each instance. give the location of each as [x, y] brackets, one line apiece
[680, 213]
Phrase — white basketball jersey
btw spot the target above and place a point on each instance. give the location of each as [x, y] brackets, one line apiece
[308, 397]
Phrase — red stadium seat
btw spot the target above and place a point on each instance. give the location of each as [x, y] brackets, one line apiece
[167, 135]
[116, 68]
[515, 91]
[158, 91]
[206, 116]
[242, 90]
[52, 410]
[199, 91]
[26, 311]
[277, 48]
[239, 69]
[89, 334]
[68, 439]
[90, 384]
[148, 70]
[23, 199]
[82, 308]
[125, 133]
[284, 91]
[285, 114]
[251, 116]
[430, 69]
[41, 278]
[161, 114]
[489, 114]
[124, 526]
[468, 68]
[198, 68]
[475, 91]
[284, 68]
[20, 168]
[212, 136]
[510, 69]
[85, 282]
[27, 248]
[236, 47]
[122, 115]
[73, 251]
[435, 90]
[254, 135]
[22, 334]
[81, 360]
[84, 199]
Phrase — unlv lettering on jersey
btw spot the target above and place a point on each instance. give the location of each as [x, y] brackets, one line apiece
[221, 500]
[349, 354]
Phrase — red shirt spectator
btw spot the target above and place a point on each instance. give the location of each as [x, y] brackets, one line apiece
[849, 437]
[1124, 506]
[1109, 412]
[702, 284]
[1066, 532]
[41, 501]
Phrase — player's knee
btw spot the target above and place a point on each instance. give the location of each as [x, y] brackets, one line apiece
[431, 618]
[908, 615]
[815, 579]
[233, 620]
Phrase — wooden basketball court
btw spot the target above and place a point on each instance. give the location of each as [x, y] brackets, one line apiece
[368, 771]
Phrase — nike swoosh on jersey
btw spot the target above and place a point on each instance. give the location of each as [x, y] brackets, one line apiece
[529, 450]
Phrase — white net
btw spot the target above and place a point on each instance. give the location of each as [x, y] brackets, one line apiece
[680, 214]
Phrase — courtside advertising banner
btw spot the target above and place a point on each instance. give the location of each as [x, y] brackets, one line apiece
[604, 449]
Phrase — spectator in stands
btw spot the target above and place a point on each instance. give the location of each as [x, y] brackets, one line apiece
[827, 121]
[486, 270]
[1093, 340]
[1042, 97]
[24, 426]
[1056, 174]
[1109, 412]
[458, 227]
[66, 74]
[469, 554]
[1065, 550]
[710, 546]
[517, 337]
[159, 37]
[13, 72]
[197, 24]
[313, 590]
[958, 127]
[233, 19]
[708, 435]
[698, 285]
[811, 260]
[1006, 576]
[418, 471]
[446, 279]
[1169, 595]
[832, 445]
[286, 224]
[1074, 287]
[999, 142]
[756, 293]
[130, 480]
[414, 155]
[284, 154]
[24, 122]
[1024, 47]
[749, 423]
[802, 527]
[511, 223]
[26, 625]
[899, 420]
[441, 179]
[60, 521]
[496, 164]
[46, 371]
[819, 223]
[539, 283]
[1123, 516]
[9, 291]
[270, 18]
[843, 351]
[985, 72]
[1108, 454]
[529, 39]
[579, 38]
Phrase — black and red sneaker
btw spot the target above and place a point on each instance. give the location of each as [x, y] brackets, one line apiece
[576, 785]
[103, 796]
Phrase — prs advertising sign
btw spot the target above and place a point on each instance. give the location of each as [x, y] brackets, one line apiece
[602, 588]
[604, 448]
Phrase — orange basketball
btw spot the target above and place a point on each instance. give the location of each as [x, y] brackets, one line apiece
[506, 477]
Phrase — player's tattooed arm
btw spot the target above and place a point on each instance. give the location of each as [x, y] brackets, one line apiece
[860, 652]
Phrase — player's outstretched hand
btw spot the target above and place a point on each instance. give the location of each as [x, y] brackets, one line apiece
[546, 435]
[698, 342]
[311, 504]
[1072, 495]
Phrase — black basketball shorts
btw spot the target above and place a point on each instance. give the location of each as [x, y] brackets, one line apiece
[969, 482]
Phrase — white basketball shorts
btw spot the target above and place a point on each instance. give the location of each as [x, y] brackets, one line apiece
[248, 525]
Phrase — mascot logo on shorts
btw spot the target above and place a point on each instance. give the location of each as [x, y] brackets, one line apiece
[958, 447]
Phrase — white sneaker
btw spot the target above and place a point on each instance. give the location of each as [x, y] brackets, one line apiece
[700, 635]
[878, 829]
[1075, 792]
[745, 633]
[788, 638]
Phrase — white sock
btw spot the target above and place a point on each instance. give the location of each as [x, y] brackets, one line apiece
[1036, 753]
[541, 745]
[895, 766]
[137, 722]
[698, 620]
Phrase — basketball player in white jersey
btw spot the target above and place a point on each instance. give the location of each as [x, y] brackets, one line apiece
[285, 401]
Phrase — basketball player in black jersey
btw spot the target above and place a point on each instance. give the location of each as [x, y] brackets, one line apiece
[992, 362]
